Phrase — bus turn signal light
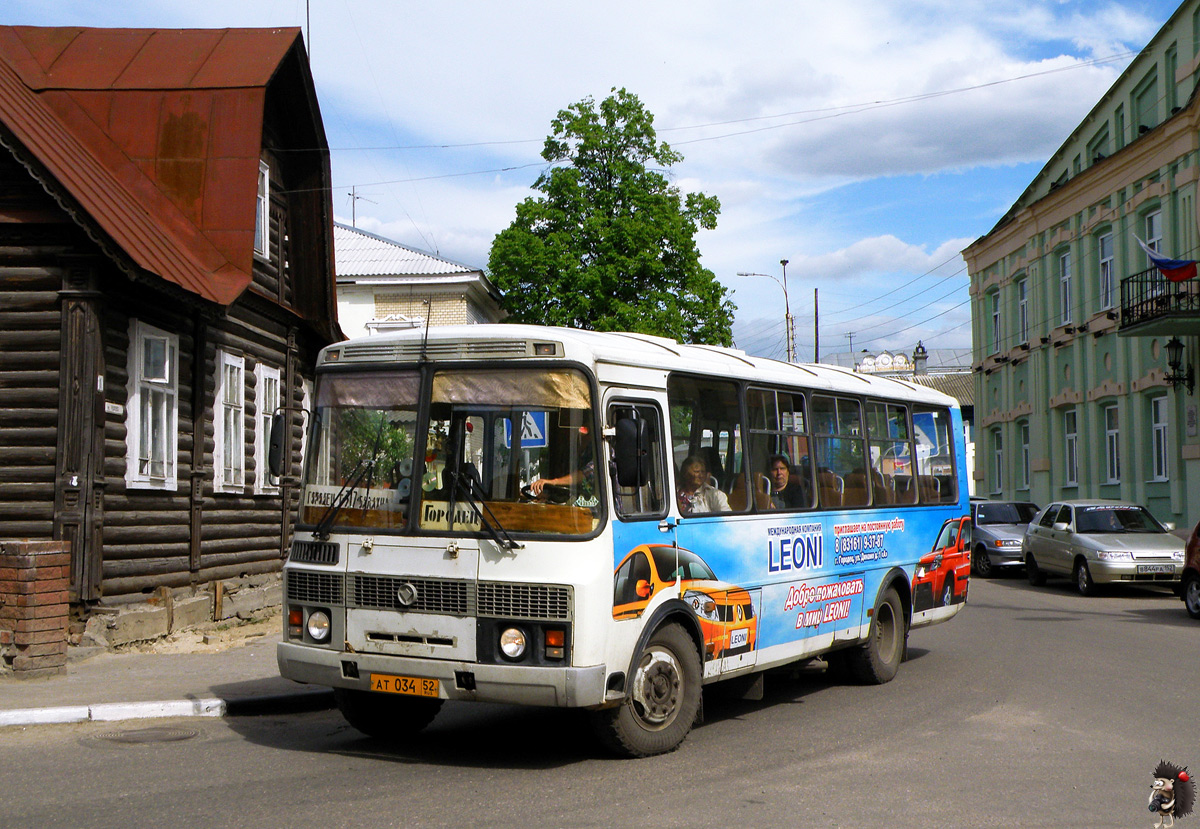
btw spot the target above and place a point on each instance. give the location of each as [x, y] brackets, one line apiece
[555, 642]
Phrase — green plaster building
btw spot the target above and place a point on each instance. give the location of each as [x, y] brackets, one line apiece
[1074, 393]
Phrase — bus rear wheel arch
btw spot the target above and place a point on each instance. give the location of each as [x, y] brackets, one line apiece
[878, 659]
[662, 700]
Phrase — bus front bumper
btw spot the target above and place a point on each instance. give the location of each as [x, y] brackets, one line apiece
[560, 687]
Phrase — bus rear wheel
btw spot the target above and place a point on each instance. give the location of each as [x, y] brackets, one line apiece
[385, 716]
[877, 661]
[664, 696]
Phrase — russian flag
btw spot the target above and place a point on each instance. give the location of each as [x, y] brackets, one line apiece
[1176, 270]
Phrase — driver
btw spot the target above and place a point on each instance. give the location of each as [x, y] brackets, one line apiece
[583, 479]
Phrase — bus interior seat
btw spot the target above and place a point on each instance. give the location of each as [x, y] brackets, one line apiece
[883, 495]
[906, 493]
[715, 470]
[931, 489]
[830, 487]
[739, 497]
[855, 492]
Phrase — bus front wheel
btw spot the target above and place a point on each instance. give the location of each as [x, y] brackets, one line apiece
[385, 716]
[877, 661]
[664, 696]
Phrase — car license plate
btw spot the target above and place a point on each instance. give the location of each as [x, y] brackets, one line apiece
[1156, 568]
[412, 685]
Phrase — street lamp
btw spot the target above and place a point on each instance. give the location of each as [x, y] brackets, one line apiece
[787, 311]
[1177, 377]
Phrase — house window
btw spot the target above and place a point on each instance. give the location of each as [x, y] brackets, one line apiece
[1154, 242]
[229, 429]
[1023, 434]
[152, 411]
[997, 461]
[1023, 309]
[266, 403]
[262, 216]
[995, 300]
[1071, 447]
[1105, 250]
[1158, 426]
[1112, 446]
[1064, 283]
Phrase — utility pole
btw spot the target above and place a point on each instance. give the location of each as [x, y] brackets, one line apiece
[850, 334]
[816, 330]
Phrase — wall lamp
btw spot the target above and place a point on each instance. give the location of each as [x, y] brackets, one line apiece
[1174, 362]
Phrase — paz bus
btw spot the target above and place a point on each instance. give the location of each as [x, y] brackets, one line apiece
[500, 513]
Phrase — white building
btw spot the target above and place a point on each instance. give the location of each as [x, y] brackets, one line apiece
[383, 285]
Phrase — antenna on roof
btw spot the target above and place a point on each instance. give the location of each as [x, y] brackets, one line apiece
[354, 198]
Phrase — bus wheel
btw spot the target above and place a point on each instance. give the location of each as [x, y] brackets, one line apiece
[877, 661]
[664, 696]
[385, 716]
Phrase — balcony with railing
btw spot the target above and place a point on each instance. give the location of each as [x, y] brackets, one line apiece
[1151, 305]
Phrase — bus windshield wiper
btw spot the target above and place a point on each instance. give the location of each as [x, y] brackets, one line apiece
[321, 531]
[468, 481]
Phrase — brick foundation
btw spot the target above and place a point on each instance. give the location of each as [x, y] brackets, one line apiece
[34, 576]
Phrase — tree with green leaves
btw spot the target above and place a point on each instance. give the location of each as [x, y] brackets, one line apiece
[610, 244]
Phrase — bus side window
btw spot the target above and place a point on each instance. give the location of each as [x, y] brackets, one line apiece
[706, 422]
[647, 501]
[937, 477]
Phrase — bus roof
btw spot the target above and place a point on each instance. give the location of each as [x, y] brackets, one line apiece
[614, 349]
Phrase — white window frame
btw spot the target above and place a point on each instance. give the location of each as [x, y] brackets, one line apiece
[1104, 249]
[229, 424]
[1064, 285]
[995, 322]
[1023, 309]
[262, 215]
[1112, 445]
[1071, 446]
[143, 393]
[997, 461]
[266, 378]
[1023, 436]
[1159, 424]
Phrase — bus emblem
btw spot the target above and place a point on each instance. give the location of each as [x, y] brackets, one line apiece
[406, 594]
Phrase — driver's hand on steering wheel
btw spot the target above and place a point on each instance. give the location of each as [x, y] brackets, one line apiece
[536, 486]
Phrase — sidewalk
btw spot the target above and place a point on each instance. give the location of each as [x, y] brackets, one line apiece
[240, 680]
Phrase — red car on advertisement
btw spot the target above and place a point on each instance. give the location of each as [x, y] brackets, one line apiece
[942, 574]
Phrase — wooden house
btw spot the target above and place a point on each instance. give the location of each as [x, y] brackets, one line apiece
[166, 280]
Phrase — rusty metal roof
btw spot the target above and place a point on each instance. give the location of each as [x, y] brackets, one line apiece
[156, 134]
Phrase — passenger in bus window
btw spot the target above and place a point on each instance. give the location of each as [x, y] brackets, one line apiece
[696, 495]
[787, 491]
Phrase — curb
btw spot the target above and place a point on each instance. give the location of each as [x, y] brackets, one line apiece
[211, 707]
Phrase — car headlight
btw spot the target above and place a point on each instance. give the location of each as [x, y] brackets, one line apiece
[920, 572]
[318, 625]
[1115, 555]
[512, 643]
[1008, 542]
[703, 605]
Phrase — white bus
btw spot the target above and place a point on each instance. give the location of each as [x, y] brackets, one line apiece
[608, 521]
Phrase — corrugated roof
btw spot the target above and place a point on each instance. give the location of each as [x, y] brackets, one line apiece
[358, 253]
[156, 134]
[960, 385]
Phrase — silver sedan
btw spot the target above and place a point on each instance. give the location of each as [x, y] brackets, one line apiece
[1101, 542]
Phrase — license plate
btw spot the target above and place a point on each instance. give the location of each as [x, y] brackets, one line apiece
[1155, 568]
[415, 686]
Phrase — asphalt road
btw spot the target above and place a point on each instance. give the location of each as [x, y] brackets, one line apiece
[1034, 707]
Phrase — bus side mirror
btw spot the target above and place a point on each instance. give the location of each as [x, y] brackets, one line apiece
[644, 589]
[275, 445]
[631, 452]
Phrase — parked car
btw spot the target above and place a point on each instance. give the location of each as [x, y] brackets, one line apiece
[1101, 542]
[942, 574]
[999, 527]
[1189, 585]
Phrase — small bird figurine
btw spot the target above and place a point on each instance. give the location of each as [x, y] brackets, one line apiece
[1172, 794]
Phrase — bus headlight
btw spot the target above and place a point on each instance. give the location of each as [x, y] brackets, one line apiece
[318, 625]
[512, 643]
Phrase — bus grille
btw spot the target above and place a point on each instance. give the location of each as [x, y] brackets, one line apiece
[314, 588]
[314, 552]
[412, 351]
[432, 595]
[524, 601]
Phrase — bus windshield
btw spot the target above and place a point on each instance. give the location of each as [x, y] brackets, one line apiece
[489, 437]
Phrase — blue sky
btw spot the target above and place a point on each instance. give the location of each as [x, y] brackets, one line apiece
[866, 142]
